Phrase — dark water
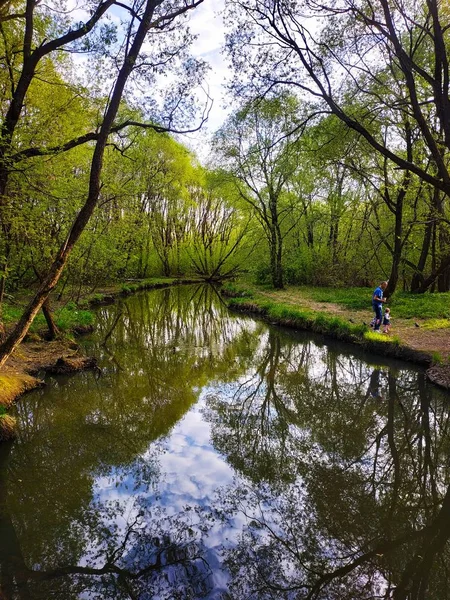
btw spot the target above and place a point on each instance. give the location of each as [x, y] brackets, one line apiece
[216, 457]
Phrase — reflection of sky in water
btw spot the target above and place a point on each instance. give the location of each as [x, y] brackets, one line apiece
[191, 470]
[190, 473]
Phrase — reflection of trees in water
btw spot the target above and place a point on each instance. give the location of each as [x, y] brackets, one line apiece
[258, 417]
[182, 329]
[355, 502]
[345, 467]
[130, 550]
[90, 429]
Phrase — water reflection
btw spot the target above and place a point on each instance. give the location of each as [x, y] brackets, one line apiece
[355, 503]
[218, 458]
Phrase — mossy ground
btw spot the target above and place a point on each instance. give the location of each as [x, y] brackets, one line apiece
[13, 385]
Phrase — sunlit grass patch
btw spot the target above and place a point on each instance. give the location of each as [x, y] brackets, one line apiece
[12, 386]
[421, 306]
[435, 324]
[373, 336]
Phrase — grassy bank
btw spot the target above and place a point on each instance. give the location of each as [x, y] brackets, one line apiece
[403, 304]
[420, 322]
[304, 318]
[109, 293]
[12, 386]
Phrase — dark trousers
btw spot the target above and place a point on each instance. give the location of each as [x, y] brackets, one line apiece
[378, 316]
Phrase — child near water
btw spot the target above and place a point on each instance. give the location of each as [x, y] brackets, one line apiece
[387, 320]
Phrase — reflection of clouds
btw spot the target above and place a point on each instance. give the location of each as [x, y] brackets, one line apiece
[318, 423]
[192, 468]
[191, 471]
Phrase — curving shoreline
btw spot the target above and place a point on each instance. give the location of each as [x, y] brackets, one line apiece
[392, 347]
[64, 356]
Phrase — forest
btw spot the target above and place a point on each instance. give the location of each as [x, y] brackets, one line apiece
[332, 168]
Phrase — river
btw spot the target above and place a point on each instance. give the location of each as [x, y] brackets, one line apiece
[215, 456]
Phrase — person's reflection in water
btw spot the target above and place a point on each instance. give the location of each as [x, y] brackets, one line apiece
[374, 385]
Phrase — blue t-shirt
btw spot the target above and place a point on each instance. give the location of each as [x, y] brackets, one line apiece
[378, 292]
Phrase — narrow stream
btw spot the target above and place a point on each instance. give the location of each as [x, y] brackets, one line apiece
[218, 457]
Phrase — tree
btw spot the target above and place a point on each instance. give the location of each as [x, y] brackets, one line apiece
[152, 15]
[217, 230]
[338, 53]
[254, 147]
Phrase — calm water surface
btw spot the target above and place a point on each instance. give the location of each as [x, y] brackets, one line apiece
[216, 457]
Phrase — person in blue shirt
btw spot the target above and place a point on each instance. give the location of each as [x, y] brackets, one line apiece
[377, 302]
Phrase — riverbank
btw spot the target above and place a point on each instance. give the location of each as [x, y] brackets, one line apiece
[36, 356]
[346, 315]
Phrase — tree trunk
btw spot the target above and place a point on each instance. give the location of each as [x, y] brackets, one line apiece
[276, 245]
[417, 278]
[53, 330]
[443, 239]
[275, 259]
[398, 246]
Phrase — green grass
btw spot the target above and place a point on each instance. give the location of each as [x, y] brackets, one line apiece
[436, 324]
[404, 305]
[236, 291]
[437, 358]
[351, 298]
[66, 318]
[304, 318]
[371, 336]
[418, 306]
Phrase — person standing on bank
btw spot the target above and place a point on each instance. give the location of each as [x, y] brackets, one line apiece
[377, 302]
